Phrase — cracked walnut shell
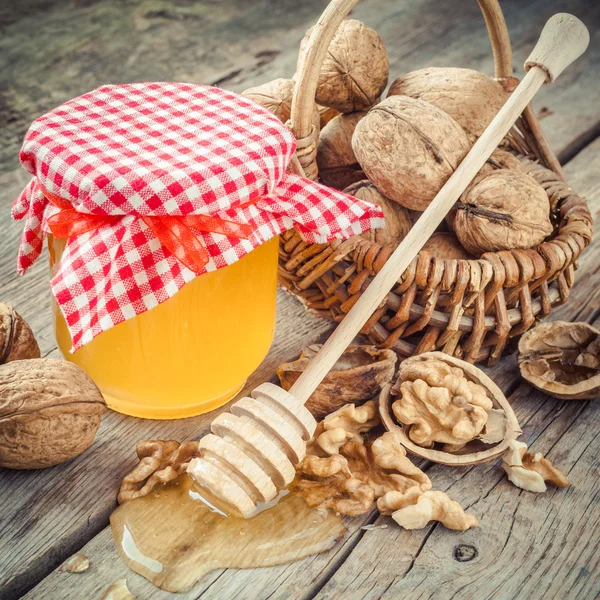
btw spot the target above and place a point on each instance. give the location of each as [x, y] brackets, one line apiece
[530, 471]
[338, 167]
[50, 411]
[452, 399]
[397, 218]
[160, 462]
[408, 149]
[357, 376]
[355, 70]
[17, 341]
[471, 98]
[502, 210]
[562, 359]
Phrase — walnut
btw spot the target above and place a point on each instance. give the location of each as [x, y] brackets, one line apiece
[408, 149]
[355, 70]
[357, 376]
[351, 480]
[326, 114]
[434, 506]
[384, 466]
[338, 167]
[441, 405]
[471, 98]
[501, 159]
[276, 96]
[562, 359]
[397, 218]
[17, 341]
[530, 471]
[458, 398]
[346, 424]
[328, 483]
[50, 411]
[160, 462]
[502, 210]
[446, 245]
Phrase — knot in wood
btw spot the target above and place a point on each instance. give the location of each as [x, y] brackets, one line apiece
[465, 553]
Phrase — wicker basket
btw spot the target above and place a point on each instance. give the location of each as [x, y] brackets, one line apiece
[467, 308]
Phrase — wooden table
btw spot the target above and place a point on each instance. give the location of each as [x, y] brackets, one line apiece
[527, 545]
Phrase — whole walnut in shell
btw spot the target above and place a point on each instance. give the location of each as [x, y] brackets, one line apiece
[471, 98]
[446, 245]
[408, 149]
[502, 210]
[17, 341]
[276, 96]
[338, 167]
[397, 218]
[562, 359]
[355, 70]
[50, 411]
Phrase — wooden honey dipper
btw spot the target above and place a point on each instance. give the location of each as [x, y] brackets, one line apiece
[251, 452]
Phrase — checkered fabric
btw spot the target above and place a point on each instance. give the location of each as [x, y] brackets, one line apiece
[163, 149]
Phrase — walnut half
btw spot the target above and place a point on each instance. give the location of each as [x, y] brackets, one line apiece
[448, 411]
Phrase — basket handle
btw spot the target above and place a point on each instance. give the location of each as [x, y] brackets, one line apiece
[320, 39]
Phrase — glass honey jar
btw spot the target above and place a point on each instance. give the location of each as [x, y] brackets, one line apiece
[162, 205]
[192, 353]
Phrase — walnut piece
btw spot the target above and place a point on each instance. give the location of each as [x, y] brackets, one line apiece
[349, 475]
[440, 404]
[502, 210]
[397, 218]
[17, 341]
[355, 70]
[358, 375]
[434, 506]
[530, 472]
[471, 98]
[338, 167]
[562, 359]
[160, 462]
[408, 149]
[50, 411]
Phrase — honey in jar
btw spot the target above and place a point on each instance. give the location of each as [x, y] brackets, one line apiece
[193, 352]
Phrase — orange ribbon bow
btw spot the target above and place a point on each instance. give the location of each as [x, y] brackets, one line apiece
[176, 233]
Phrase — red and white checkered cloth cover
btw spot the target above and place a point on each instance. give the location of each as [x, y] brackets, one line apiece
[163, 149]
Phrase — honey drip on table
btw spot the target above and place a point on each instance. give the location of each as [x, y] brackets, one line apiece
[173, 538]
[117, 590]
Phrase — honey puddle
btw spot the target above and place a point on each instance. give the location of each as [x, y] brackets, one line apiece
[173, 538]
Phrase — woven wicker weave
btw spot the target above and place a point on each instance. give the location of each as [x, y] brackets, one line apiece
[467, 308]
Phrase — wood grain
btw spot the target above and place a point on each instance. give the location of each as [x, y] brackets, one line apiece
[47, 515]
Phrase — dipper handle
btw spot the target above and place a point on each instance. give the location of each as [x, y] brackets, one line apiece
[563, 40]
